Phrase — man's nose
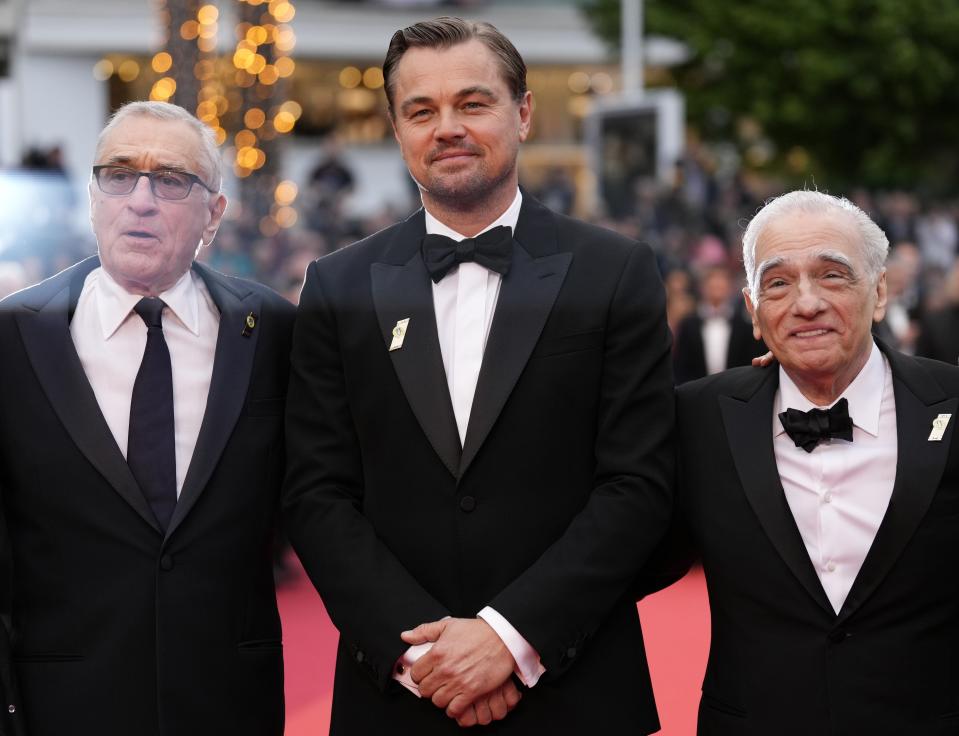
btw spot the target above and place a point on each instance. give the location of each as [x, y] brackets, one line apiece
[142, 199]
[808, 301]
[449, 125]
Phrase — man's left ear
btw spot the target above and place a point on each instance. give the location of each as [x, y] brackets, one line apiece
[881, 297]
[525, 115]
[217, 208]
[751, 308]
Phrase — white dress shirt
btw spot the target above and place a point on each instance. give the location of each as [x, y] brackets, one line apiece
[110, 339]
[464, 302]
[716, 328]
[839, 492]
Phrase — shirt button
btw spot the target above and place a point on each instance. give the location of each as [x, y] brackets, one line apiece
[11, 709]
[827, 497]
[830, 566]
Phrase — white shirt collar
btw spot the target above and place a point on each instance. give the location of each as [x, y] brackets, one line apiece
[114, 303]
[864, 395]
[508, 218]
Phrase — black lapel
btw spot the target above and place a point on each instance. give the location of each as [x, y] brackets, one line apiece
[526, 297]
[45, 330]
[402, 290]
[232, 366]
[748, 421]
[919, 467]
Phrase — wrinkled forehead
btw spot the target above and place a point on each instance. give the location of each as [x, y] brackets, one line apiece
[801, 237]
[146, 143]
[426, 71]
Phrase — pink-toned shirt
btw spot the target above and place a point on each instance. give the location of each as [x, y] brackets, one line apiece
[839, 492]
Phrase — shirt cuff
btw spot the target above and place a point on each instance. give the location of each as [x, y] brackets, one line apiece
[401, 670]
[528, 668]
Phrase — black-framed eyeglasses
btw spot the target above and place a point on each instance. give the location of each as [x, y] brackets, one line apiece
[165, 184]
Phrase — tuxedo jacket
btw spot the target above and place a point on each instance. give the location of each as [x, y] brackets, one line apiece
[559, 491]
[781, 660]
[117, 628]
[689, 355]
[939, 335]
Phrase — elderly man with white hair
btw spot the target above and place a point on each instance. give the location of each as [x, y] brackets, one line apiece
[141, 452]
[821, 493]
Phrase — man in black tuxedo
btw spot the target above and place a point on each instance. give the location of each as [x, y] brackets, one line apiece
[478, 429]
[141, 454]
[822, 495]
[718, 335]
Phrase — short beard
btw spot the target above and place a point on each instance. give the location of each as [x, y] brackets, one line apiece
[466, 194]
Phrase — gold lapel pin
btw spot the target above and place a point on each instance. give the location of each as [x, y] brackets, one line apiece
[399, 333]
[249, 324]
[939, 425]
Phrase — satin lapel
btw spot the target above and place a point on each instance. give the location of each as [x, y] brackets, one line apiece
[748, 423]
[46, 337]
[526, 298]
[919, 466]
[404, 291]
[232, 366]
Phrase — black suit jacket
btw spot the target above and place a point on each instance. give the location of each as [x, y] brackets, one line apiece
[559, 493]
[118, 629]
[689, 355]
[939, 335]
[781, 660]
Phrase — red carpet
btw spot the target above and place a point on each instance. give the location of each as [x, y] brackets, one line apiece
[675, 623]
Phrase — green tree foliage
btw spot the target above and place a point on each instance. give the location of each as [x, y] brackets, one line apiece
[868, 89]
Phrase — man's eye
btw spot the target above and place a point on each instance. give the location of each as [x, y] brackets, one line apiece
[474, 105]
[169, 179]
[119, 175]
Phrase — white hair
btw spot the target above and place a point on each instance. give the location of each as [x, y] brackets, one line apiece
[874, 243]
[170, 112]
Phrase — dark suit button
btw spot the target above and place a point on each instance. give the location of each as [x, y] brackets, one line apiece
[166, 563]
[359, 656]
[571, 653]
[467, 503]
[838, 636]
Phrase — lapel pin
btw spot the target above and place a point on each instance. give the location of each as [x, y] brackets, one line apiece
[399, 334]
[939, 425]
[248, 324]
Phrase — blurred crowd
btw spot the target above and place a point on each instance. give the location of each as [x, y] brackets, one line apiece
[694, 223]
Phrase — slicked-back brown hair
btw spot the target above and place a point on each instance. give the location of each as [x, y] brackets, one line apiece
[447, 31]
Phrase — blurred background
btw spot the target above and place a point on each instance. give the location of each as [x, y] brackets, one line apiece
[668, 120]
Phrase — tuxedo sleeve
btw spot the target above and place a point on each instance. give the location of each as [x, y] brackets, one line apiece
[370, 596]
[562, 598]
[676, 553]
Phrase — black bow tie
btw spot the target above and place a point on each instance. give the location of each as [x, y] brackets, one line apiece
[492, 249]
[808, 428]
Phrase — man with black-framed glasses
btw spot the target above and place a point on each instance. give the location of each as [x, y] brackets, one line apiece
[140, 462]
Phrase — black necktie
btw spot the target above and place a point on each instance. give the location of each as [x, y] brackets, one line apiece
[808, 428]
[492, 249]
[151, 454]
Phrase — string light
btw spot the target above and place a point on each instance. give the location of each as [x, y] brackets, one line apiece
[242, 90]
